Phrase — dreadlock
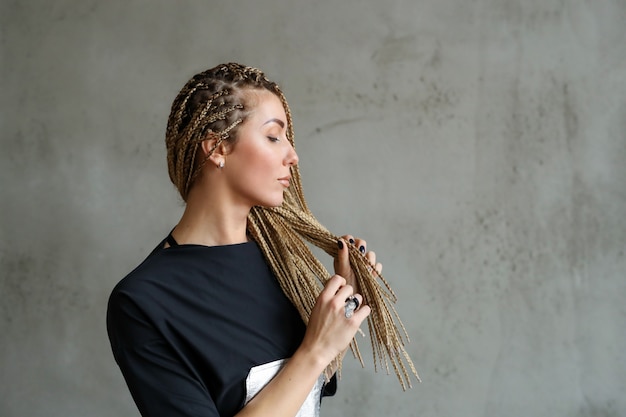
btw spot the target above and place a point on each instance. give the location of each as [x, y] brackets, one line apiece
[212, 105]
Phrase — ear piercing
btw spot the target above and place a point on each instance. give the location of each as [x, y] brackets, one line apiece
[221, 164]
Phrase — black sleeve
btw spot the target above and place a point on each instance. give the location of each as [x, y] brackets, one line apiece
[160, 384]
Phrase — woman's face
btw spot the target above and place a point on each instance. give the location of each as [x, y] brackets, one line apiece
[257, 168]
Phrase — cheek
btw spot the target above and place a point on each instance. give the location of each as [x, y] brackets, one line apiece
[258, 162]
[264, 158]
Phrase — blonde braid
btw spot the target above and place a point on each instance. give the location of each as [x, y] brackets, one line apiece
[211, 106]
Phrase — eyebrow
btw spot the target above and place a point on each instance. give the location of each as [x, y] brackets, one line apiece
[278, 121]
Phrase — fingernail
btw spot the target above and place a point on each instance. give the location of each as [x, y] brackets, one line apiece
[362, 249]
[340, 244]
[351, 241]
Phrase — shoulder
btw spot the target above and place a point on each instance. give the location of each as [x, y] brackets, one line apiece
[189, 271]
[141, 302]
[146, 282]
[149, 270]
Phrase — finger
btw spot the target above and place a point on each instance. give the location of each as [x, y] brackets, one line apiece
[343, 294]
[379, 268]
[361, 314]
[342, 261]
[349, 239]
[361, 245]
[371, 257]
[333, 284]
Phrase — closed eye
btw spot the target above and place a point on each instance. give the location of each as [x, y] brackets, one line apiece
[273, 139]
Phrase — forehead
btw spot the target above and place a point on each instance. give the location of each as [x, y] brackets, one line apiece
[264, 106]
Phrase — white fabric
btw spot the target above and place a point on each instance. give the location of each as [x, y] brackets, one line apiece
[260, 375]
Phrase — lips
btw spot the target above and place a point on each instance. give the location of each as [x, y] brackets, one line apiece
[285, 181]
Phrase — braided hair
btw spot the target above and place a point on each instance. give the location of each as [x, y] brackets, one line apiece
[212, 105]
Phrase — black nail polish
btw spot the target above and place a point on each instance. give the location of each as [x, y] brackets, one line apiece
[362, 249]
[352, 241]
[340, 244]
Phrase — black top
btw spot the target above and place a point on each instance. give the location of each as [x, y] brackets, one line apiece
[188, 324]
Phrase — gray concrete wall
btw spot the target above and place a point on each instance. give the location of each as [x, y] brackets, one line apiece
[479, 146]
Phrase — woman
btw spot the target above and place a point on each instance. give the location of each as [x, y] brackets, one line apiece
[226, 315]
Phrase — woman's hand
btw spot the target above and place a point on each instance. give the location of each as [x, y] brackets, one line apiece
[342, 261]
[329, 331]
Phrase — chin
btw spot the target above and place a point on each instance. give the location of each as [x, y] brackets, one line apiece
[272, 203]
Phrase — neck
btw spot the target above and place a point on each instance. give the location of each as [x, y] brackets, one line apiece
[211, 222]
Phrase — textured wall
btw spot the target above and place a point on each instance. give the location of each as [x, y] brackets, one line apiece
[479, 146]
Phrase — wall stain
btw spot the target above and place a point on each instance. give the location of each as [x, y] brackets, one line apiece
[329, 126]
[394, 49]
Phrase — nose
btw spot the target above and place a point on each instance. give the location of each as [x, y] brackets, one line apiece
[292, 157]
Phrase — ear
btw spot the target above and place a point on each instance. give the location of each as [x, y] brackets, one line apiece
[218, 152]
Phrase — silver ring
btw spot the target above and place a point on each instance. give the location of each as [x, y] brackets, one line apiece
[352, 303]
